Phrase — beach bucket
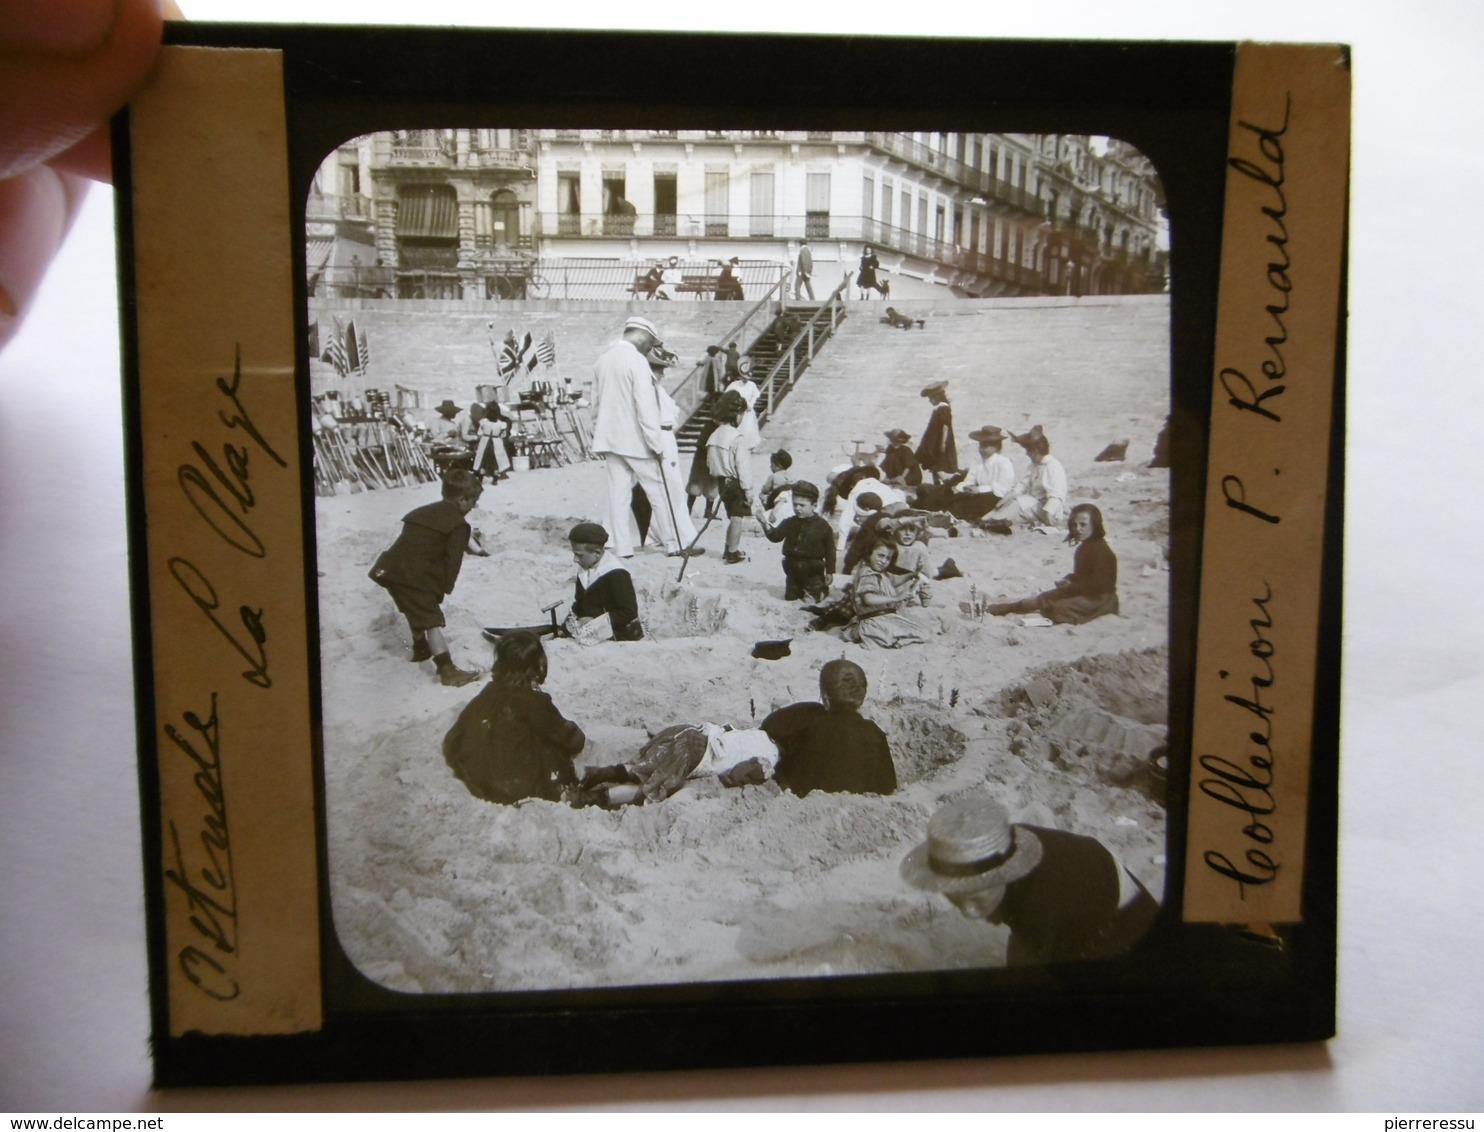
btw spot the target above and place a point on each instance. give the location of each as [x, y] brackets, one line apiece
[504, 395]
[520, 463]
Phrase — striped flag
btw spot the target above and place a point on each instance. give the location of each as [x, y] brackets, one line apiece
[335, 350]
[546, 349]
[516, 355]
[357, 357]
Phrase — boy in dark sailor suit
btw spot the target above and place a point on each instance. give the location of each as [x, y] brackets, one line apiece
[603, 585]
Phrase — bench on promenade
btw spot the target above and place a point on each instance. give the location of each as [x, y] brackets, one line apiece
[704, 285]
[648, 287]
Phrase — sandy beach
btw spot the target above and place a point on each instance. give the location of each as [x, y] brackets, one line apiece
[436, 891]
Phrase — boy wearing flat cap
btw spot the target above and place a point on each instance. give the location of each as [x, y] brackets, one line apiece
[808, 547]
[603, 587]
[1064, 897]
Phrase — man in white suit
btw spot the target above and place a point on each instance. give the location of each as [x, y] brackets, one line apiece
[629, 433]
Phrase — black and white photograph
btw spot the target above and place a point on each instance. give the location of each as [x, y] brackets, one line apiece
[742, 554]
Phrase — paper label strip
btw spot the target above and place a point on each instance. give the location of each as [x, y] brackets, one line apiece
[1281, 257]
[224, 539]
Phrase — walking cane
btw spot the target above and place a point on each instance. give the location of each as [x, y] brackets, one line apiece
[685, 561]
[669, 503]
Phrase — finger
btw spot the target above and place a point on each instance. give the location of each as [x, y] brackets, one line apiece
[36, 209]
[65, 67]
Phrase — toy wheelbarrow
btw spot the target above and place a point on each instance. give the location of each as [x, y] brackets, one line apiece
[494, 633]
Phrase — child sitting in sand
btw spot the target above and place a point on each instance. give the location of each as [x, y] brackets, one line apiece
[877, 599]
[510, 742]
[906, 529]
[419, 569]
[828, 746]
[604, 606]
[871, 513]
[808, 547]
[1090, 590]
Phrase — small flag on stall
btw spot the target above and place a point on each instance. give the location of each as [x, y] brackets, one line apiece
[546, 349]
[356, 358]
[516, 355]
[335, 350]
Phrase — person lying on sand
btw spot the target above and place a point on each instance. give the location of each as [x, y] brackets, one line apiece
[828, 746]
[1064, 897]
[1090, 590]
[510, 743]
[675, 756]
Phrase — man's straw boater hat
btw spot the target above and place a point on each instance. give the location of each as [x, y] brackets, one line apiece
[898, 436]
[639, 322]
[971, 846]
[940, 386]
[990, 434]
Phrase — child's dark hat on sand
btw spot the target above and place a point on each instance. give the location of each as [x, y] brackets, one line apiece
[805, 490]
[898, 436]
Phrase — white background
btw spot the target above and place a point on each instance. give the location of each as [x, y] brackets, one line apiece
[73, 1006]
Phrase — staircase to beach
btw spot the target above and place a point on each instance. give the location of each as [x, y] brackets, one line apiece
[779, 355]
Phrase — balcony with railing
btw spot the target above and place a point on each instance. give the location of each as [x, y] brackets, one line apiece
[330, 208]
[820, 226]
[447, 155]
[684, 225]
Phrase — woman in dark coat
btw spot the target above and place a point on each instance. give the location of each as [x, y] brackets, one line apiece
[511, 743]
[865, 278]
[1091, 589]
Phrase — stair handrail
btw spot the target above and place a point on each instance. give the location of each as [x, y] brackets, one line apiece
[690, 391]
[831, 310]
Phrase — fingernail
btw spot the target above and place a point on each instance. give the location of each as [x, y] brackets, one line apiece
[34, 210]
[55, 27]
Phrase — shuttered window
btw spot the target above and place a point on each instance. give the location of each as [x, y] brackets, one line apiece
[427, 212]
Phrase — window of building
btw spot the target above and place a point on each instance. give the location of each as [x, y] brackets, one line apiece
[906, 213]
[886, 191]
[665, 200]
[618, 213]
[762, 204]
[868, 197]
[718, 191]
[940, 223]
[497, 221]
[817, 205]
[922, 216]
[569, 204]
